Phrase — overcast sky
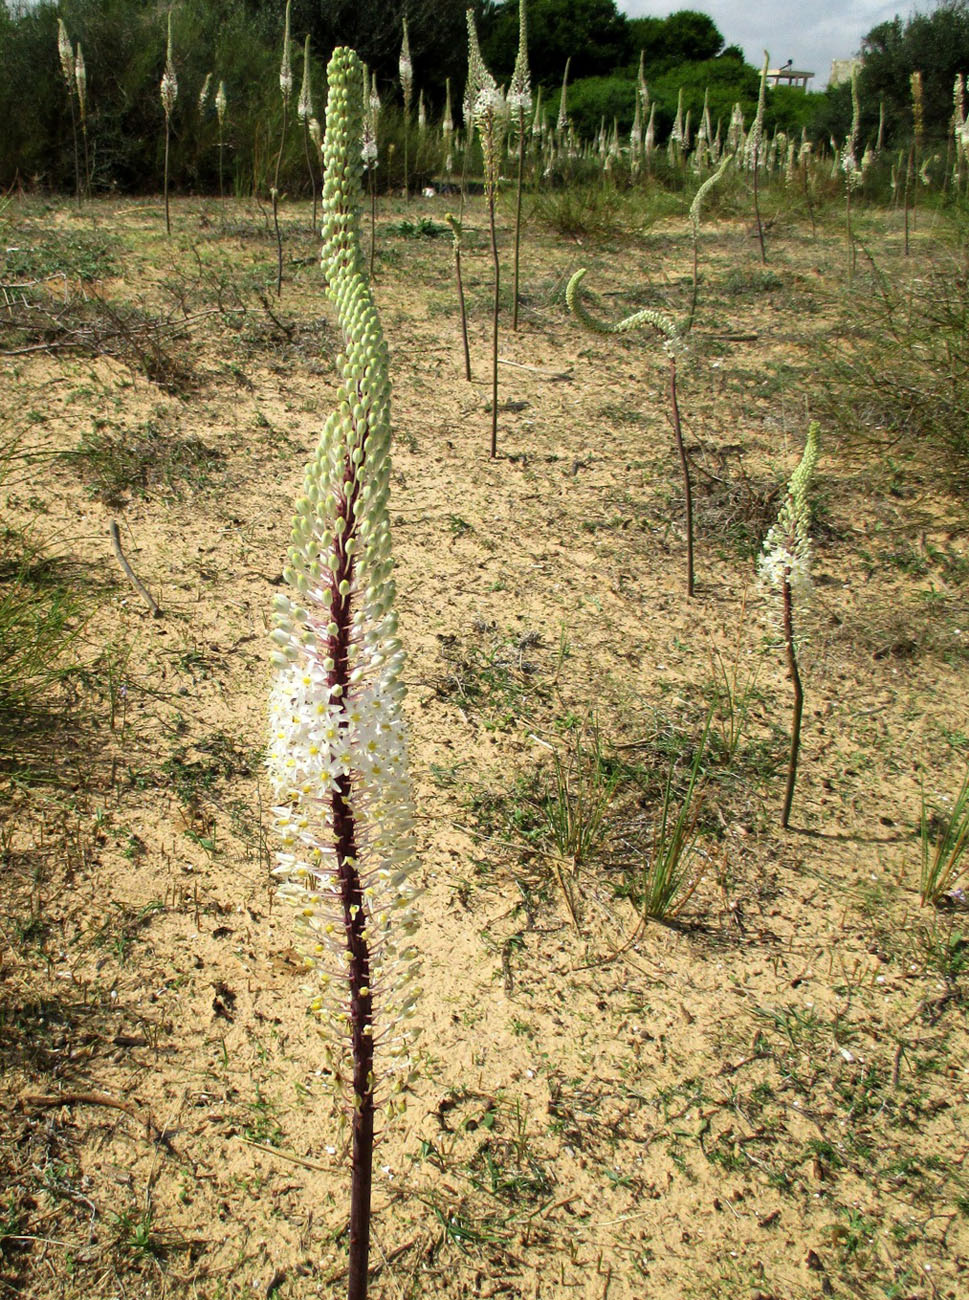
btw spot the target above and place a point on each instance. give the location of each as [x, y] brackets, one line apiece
[811, 32]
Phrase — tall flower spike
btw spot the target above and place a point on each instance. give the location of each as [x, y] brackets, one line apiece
[519, 98]
[405, 67]
[918, 107]
[304, 107]
[479, 78]
[447, 122]
[336, 753]
[849, 154]
[65, 52]
[786, 554]
[368, 150]
[563, 119]
[80, 77]
[753, 142]
[785, 564]
[220, 103]
[286, 65]
[204, 92]
[169, 82]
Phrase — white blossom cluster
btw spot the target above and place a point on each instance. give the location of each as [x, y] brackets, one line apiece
[519, 99]
[286, 66]
[786, 554]
[304, 105]
[65, 52]
[169, 82]
[405, 67]
[337, 757]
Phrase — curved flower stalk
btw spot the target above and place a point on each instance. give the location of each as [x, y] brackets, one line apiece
[286, 90]
[488, 114]
[305, 113]
[406, 69]
[519, 103]
[785, 565]
[169, 94]
[456, 235]
[336, 754]
[695, 207]
[674, 345]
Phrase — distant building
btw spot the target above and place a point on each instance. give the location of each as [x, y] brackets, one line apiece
[841, 70]
[789, 75]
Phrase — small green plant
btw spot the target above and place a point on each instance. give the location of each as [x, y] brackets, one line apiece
[420, 228]
[675, 867]
[42, 612]
[574, 809]
[944, 841]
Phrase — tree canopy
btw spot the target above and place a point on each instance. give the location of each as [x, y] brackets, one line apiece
[935, 44]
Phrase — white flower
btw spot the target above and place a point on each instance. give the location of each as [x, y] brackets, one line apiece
[337, 752]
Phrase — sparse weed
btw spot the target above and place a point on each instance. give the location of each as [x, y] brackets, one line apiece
[42, 612]
[116, 465]
[944, 837]
[420, 228]
[675, 866]
[574, 808]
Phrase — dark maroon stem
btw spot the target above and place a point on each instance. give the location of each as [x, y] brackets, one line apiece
[494, 326]
[309, 168]
[355, 921]
[795, 677]
[687, 486]
[518, 212]
[464, 314]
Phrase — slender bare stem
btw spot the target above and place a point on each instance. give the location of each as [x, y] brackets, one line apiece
[795, 677]
[309, 167]
[372, 185]
[275, 198]
[760, 224]
[518, 213]
[687, 486]
[168, 215]
[464, 314]
[494, 327]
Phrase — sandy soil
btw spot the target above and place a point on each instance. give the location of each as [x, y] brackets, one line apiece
[762, 1098]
